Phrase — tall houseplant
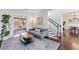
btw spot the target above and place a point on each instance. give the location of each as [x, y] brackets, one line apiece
[4, 31]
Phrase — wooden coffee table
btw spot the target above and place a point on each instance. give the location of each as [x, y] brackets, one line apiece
[27, 37]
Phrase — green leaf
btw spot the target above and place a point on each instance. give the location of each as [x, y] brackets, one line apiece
[5, 21]
[7, 33]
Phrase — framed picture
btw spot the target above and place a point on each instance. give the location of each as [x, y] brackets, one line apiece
[19, 24]
[40, 21]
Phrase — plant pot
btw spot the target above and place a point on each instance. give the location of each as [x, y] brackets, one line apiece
[0, 43]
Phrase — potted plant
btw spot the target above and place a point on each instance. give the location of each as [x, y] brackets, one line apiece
[4, 31]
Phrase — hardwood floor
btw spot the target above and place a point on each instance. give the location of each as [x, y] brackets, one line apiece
[70, 41]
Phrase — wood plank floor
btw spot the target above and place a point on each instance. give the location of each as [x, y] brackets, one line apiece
[70, 41]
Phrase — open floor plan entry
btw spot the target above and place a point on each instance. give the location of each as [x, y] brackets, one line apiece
[39, 29]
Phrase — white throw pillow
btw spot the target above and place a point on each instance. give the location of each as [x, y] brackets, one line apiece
[37, 30]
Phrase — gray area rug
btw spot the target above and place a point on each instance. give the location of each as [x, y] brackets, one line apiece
[38, 44]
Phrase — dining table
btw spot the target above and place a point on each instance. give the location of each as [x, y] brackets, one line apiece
[74, 27]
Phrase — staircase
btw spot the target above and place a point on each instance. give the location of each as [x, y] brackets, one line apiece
[55, 33]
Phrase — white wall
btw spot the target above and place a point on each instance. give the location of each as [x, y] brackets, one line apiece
[38, 13]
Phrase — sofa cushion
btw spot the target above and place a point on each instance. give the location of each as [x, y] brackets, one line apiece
[37, 30]
[36, 34]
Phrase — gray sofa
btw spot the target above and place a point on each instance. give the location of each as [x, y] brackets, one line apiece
[39, 33]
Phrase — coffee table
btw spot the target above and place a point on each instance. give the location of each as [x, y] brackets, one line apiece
[26, 38]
